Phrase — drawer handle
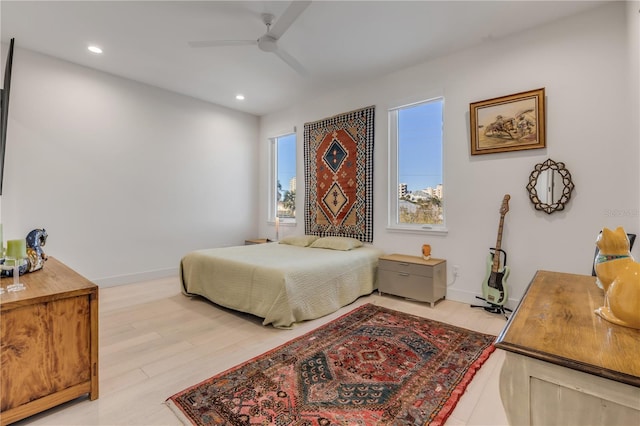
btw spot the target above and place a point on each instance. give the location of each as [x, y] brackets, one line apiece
[403, 274]
[403, 264]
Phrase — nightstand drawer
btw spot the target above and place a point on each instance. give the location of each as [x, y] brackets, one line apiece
[405, 285]
[257, 241]
[405, 268]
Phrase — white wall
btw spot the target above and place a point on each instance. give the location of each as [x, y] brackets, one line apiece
[633, 28]
[584, 63]
[125, 178]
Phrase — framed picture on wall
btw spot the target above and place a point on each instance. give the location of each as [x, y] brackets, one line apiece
[508, 123]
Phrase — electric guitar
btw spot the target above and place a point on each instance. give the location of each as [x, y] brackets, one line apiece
[494, 286]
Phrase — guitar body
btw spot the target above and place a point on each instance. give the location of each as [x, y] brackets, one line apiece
[494, 287]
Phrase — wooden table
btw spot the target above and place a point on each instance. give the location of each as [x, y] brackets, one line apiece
[48, 341]
[564, 364]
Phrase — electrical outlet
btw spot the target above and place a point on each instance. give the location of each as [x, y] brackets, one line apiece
[456, 270]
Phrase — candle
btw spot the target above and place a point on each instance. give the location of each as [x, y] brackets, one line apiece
[17, 249]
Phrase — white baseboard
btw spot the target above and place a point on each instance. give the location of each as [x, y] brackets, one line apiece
[134, 278]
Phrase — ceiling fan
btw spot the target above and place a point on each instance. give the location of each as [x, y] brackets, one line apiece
[268, 42]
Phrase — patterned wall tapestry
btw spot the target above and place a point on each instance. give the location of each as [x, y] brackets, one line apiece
[338, 161]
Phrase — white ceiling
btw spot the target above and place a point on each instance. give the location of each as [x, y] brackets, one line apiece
[338, 42]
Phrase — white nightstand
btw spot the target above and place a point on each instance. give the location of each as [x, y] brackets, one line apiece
[257, 241]
[413, 277]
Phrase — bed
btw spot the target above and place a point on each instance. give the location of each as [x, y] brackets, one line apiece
[282, 283]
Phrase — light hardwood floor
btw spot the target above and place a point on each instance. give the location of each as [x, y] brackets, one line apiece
[155, 342]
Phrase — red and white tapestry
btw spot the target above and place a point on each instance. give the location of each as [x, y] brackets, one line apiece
[338, 158]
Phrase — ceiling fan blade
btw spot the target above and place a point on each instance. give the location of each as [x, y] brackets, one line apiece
[291, 61]
[215, 43]
[287, 18]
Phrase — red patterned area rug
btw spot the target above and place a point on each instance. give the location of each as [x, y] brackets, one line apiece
[372, 366]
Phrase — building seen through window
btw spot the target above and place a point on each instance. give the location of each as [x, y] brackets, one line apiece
[416, 137]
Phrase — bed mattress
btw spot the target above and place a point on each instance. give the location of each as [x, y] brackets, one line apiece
[281, 283]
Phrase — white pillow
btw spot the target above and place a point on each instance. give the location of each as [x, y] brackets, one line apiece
[299, 240]
[336, 243]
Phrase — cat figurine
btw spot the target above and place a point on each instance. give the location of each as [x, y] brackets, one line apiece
[613, 255]
[622, 298]
[619, 276]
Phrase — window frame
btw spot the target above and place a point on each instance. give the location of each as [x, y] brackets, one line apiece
[272, 207]
[393, 168]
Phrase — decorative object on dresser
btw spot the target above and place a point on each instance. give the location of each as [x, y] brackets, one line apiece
[48, 342]
[15, 262]
[494, 286]
[372, 366]
[632, 239]
[36, 257]
[614, 253]
[619, 276]
[413, 277]
[622, 299]
[338, 159]
[565, 365]
[509, 123]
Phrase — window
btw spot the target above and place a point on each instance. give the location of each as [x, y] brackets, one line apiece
[282, 202]
[416, 192]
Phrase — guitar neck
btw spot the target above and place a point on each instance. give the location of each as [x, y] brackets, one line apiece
[496, 255]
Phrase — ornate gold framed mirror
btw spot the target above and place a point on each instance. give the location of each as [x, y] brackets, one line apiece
[550, 186]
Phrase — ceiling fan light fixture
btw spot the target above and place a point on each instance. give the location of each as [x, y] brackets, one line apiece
[266, 43]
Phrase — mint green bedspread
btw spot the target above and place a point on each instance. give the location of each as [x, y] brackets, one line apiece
[281, 283]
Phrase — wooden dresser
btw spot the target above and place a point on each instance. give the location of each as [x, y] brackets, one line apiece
[48, 341]
[413, 277]
[563, 363]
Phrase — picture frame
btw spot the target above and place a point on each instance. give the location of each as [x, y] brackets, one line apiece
[508, 123]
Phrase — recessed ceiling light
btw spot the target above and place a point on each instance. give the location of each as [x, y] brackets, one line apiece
[240, 97]
[94, 49]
